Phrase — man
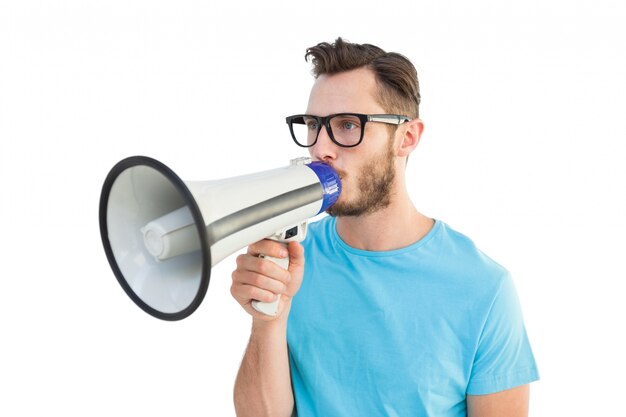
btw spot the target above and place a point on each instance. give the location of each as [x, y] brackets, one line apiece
[397, 314]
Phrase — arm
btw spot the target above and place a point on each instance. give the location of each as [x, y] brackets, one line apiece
[263, 384]
[508, 403]
[503, 360]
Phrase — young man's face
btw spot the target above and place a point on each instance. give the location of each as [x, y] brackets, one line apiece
[368, 170]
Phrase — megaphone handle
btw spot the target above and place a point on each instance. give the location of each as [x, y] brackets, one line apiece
[271, 308]
[295, 233]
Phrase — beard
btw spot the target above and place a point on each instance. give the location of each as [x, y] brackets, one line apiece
[375, 180]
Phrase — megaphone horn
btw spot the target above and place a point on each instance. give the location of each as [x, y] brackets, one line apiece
[162, 235]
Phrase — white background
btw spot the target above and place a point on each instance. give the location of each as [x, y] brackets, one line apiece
[525, 112]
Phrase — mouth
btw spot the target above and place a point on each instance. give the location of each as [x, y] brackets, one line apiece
[342, 174]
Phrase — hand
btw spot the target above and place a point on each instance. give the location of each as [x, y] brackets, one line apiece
[261, 279]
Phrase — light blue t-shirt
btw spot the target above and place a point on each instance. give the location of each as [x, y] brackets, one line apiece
[408, 332]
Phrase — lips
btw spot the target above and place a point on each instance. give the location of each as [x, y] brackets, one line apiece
[342, 174]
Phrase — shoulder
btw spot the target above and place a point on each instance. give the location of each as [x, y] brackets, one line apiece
[463, 261]
[462, 246]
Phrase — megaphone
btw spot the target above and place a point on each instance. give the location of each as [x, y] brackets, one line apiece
[162, 235]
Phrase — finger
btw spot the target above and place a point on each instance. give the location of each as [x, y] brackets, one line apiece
[260, 266]
[245, 294]
[266, 283]
[268, 248]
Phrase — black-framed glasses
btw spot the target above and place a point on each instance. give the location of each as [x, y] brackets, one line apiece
[344, 129]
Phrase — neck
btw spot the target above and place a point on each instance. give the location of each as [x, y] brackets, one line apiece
[394, 227]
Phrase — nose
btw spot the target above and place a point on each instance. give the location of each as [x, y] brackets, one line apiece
[325, 149]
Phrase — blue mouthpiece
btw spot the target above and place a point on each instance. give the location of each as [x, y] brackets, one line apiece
[330, 181]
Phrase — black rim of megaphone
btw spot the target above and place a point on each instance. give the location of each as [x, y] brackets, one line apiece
[197, 216]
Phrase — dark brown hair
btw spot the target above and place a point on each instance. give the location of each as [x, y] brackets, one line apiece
[398, 87]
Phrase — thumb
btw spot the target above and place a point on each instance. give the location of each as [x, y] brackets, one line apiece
[296, 257]
[296, 266]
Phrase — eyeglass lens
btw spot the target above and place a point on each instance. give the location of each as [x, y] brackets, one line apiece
[345, 129]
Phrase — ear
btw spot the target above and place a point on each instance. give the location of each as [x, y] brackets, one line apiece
[411, 133]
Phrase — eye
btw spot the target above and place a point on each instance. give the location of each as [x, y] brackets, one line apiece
[311, 124]
[348, 124]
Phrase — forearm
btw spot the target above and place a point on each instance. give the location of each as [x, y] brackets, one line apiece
[263, 385]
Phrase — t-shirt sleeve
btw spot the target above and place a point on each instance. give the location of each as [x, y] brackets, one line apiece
[503, 358]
